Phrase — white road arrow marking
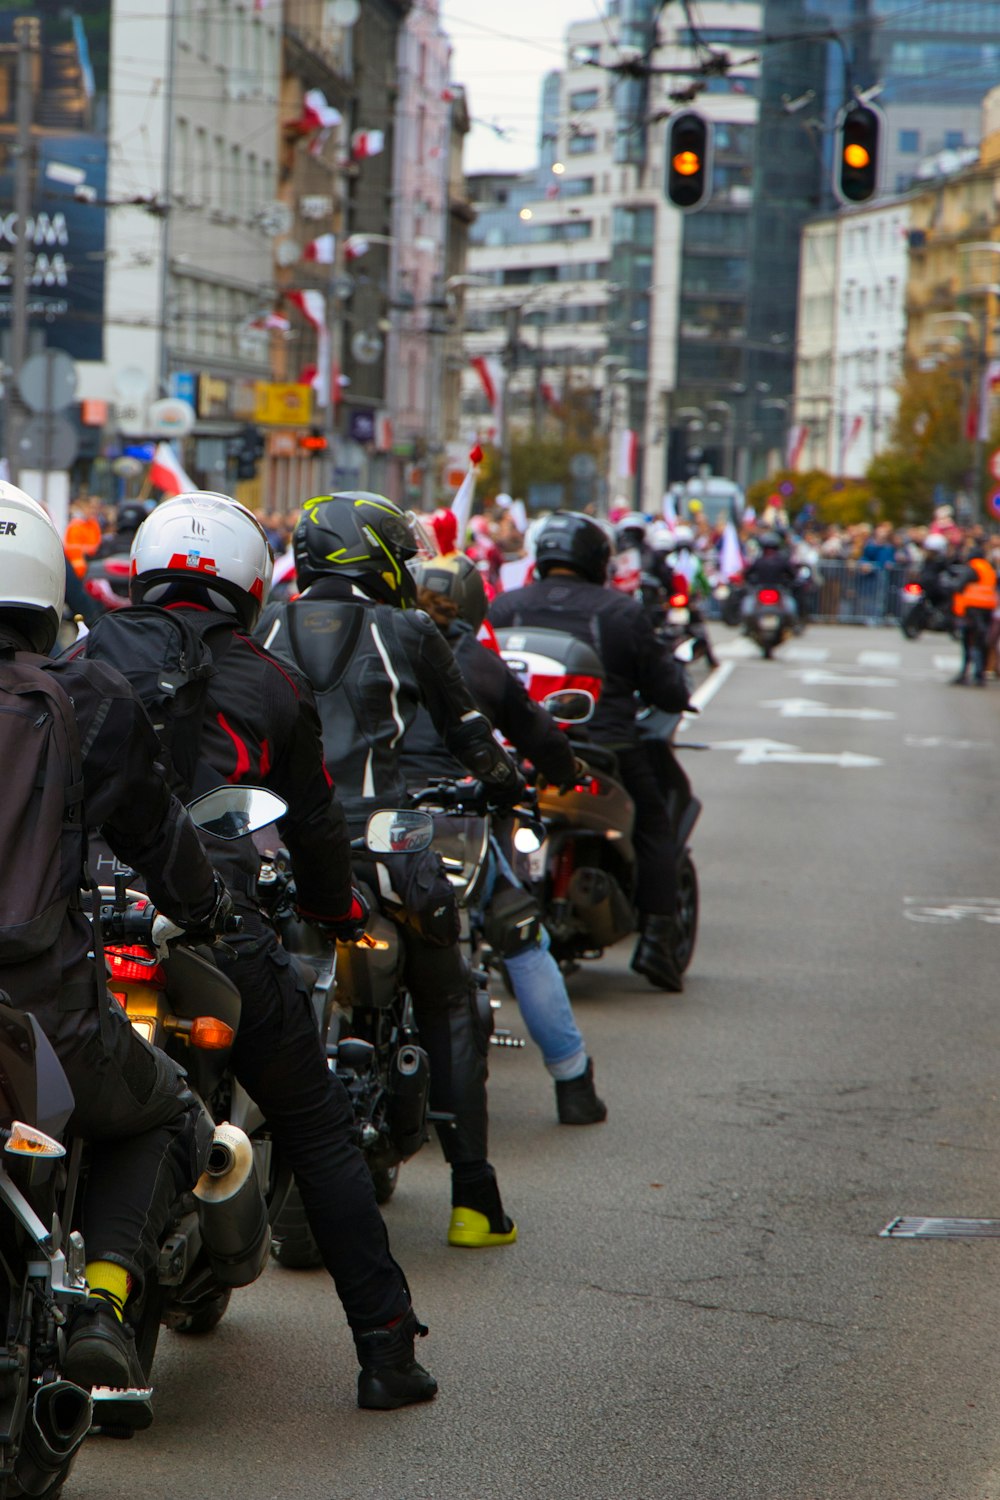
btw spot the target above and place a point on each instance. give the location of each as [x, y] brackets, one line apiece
[809, 708]
[805, 653]
[817, 677]
[879, 659]
[774, 752]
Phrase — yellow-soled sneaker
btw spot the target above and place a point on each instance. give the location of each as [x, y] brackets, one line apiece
[471, 1230]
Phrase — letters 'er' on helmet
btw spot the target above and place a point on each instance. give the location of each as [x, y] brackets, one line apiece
[569, 539]
[206, 547]
[362, 537]
[32, 569]
[458, 579]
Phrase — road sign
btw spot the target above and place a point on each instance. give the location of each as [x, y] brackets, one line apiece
[994, 502]
[48, 381]
[47, 442]
[810, 708]
[774, 752]
[170, 417]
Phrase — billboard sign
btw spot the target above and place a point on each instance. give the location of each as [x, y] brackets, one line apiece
[69, 166]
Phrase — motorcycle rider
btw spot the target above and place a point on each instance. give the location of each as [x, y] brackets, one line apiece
[772, 568]
[973, 604]
[207, 556]
[372, 661]
[937, 572]
[149, 1134]
[573, 552]
[451, 590]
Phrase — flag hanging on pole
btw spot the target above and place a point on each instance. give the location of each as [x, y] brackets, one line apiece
[669, 510]
[167, 472]
[365, 143]
[322, 250]
[312, 305]
[628, 453]
[461, 506]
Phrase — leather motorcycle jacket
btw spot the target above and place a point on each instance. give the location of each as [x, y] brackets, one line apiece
[772, 570]
[371, 667]
[618, 630]
[500, 696]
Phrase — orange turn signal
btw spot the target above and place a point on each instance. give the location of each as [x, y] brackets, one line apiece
[210, 1034]
[26, 1140]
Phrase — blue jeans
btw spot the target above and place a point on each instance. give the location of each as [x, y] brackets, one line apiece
[540, 991]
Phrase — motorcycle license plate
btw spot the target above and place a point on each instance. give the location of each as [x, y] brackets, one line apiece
[678, 616]
[770, 622]
[535, 862]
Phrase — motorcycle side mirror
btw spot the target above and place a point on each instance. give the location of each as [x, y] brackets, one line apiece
[571, 706]
[528, 837]
[229, 812]
[397, 832]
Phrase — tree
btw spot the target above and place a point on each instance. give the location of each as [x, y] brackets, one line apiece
[826, 500]
[544, 458]
[929, 449]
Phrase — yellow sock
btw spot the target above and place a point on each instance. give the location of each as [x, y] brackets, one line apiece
[114, 1281]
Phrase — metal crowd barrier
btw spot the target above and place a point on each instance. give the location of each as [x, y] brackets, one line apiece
[852, 593]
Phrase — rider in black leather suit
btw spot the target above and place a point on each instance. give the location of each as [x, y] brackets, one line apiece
[372, 662]
[572, 555]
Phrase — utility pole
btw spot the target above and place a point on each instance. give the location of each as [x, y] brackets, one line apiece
[27, 35]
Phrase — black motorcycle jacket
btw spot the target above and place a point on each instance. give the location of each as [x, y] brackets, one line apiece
[772, 570]
[619, 631]
[126, 798]
[500, 696]
[371, 667]
[260, 728]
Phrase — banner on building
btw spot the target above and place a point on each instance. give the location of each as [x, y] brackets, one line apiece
[66, 230]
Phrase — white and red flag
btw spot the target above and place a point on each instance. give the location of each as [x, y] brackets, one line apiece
[365, 143]
[461, 506]
[167, 472]
[322, 250]
[312, 305]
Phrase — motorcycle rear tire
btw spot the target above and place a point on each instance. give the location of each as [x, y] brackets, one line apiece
[911, 631]
[687, 911]
[293, 1245]
[206, 1318]
[385, 1180]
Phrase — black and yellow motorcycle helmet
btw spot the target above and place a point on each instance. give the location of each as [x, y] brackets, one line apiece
[360, 536]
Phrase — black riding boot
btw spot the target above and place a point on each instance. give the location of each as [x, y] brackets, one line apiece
[655, 954]
[576, 1099]
[390, 1376]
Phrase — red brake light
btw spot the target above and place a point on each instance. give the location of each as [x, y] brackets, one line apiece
[769, 596]
[912, 588]
[678, 601]
[118, 566]
[132, 961]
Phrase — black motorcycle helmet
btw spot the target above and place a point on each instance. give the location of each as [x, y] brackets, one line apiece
[130, 515]
[458, 579]
[770, 541]
[360, 536]
[570, 539]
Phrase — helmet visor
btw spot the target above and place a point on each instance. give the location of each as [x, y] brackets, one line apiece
[423, 537]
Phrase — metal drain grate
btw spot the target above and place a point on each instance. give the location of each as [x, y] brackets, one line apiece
[916, 1228]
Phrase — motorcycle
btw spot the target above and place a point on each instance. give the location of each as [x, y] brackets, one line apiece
[365, 1013]
[769, 619]
[917, 613]
[584, 873]
[175, 997]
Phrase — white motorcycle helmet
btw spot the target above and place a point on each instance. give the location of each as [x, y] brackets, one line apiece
[683, 537]
[32, 569]
[206, 544]
[934, 542]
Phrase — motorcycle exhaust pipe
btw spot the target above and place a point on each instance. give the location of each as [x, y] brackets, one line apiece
[409, 1086]
[55, 1425]
[231, 1209]
[600, 905]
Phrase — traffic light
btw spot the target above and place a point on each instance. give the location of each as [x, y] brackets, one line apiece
[856, 167]
[246, 451]
[689, 161]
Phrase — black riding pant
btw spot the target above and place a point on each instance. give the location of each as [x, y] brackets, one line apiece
[975, 634]
[280, 1061]
[655, 849]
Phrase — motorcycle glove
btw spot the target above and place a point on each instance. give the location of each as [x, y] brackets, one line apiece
[348, 928]
[219, 920]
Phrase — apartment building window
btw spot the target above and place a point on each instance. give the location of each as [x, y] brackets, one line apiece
[220, 198]
[183, 158]
[201, 177]
[582, 145]
[583, 99]
[253, 200]
[204, 27]
[576, 187]
[236, 193]
[954, 140]
[909, 142]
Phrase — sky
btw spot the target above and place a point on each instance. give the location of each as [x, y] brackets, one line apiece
[501, 53]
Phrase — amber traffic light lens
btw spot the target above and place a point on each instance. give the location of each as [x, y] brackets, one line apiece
[857, 156]
[687, 163]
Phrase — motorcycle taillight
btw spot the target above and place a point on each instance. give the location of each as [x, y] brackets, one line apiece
[769, 596]
[678, 601]
[133, 961]
[912, 588]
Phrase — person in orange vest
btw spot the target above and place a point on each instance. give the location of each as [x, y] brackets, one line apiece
[973, 606]
[83, 534]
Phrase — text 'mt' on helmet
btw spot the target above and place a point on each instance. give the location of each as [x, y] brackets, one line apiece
[205, 546]
[362, 537]
[569, 539]
[32, 569]
[458, 579]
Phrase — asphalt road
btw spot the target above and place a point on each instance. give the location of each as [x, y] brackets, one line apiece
[699, 1306]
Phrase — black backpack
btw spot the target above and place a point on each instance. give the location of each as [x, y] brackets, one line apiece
[42, 838]
[169, 665]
